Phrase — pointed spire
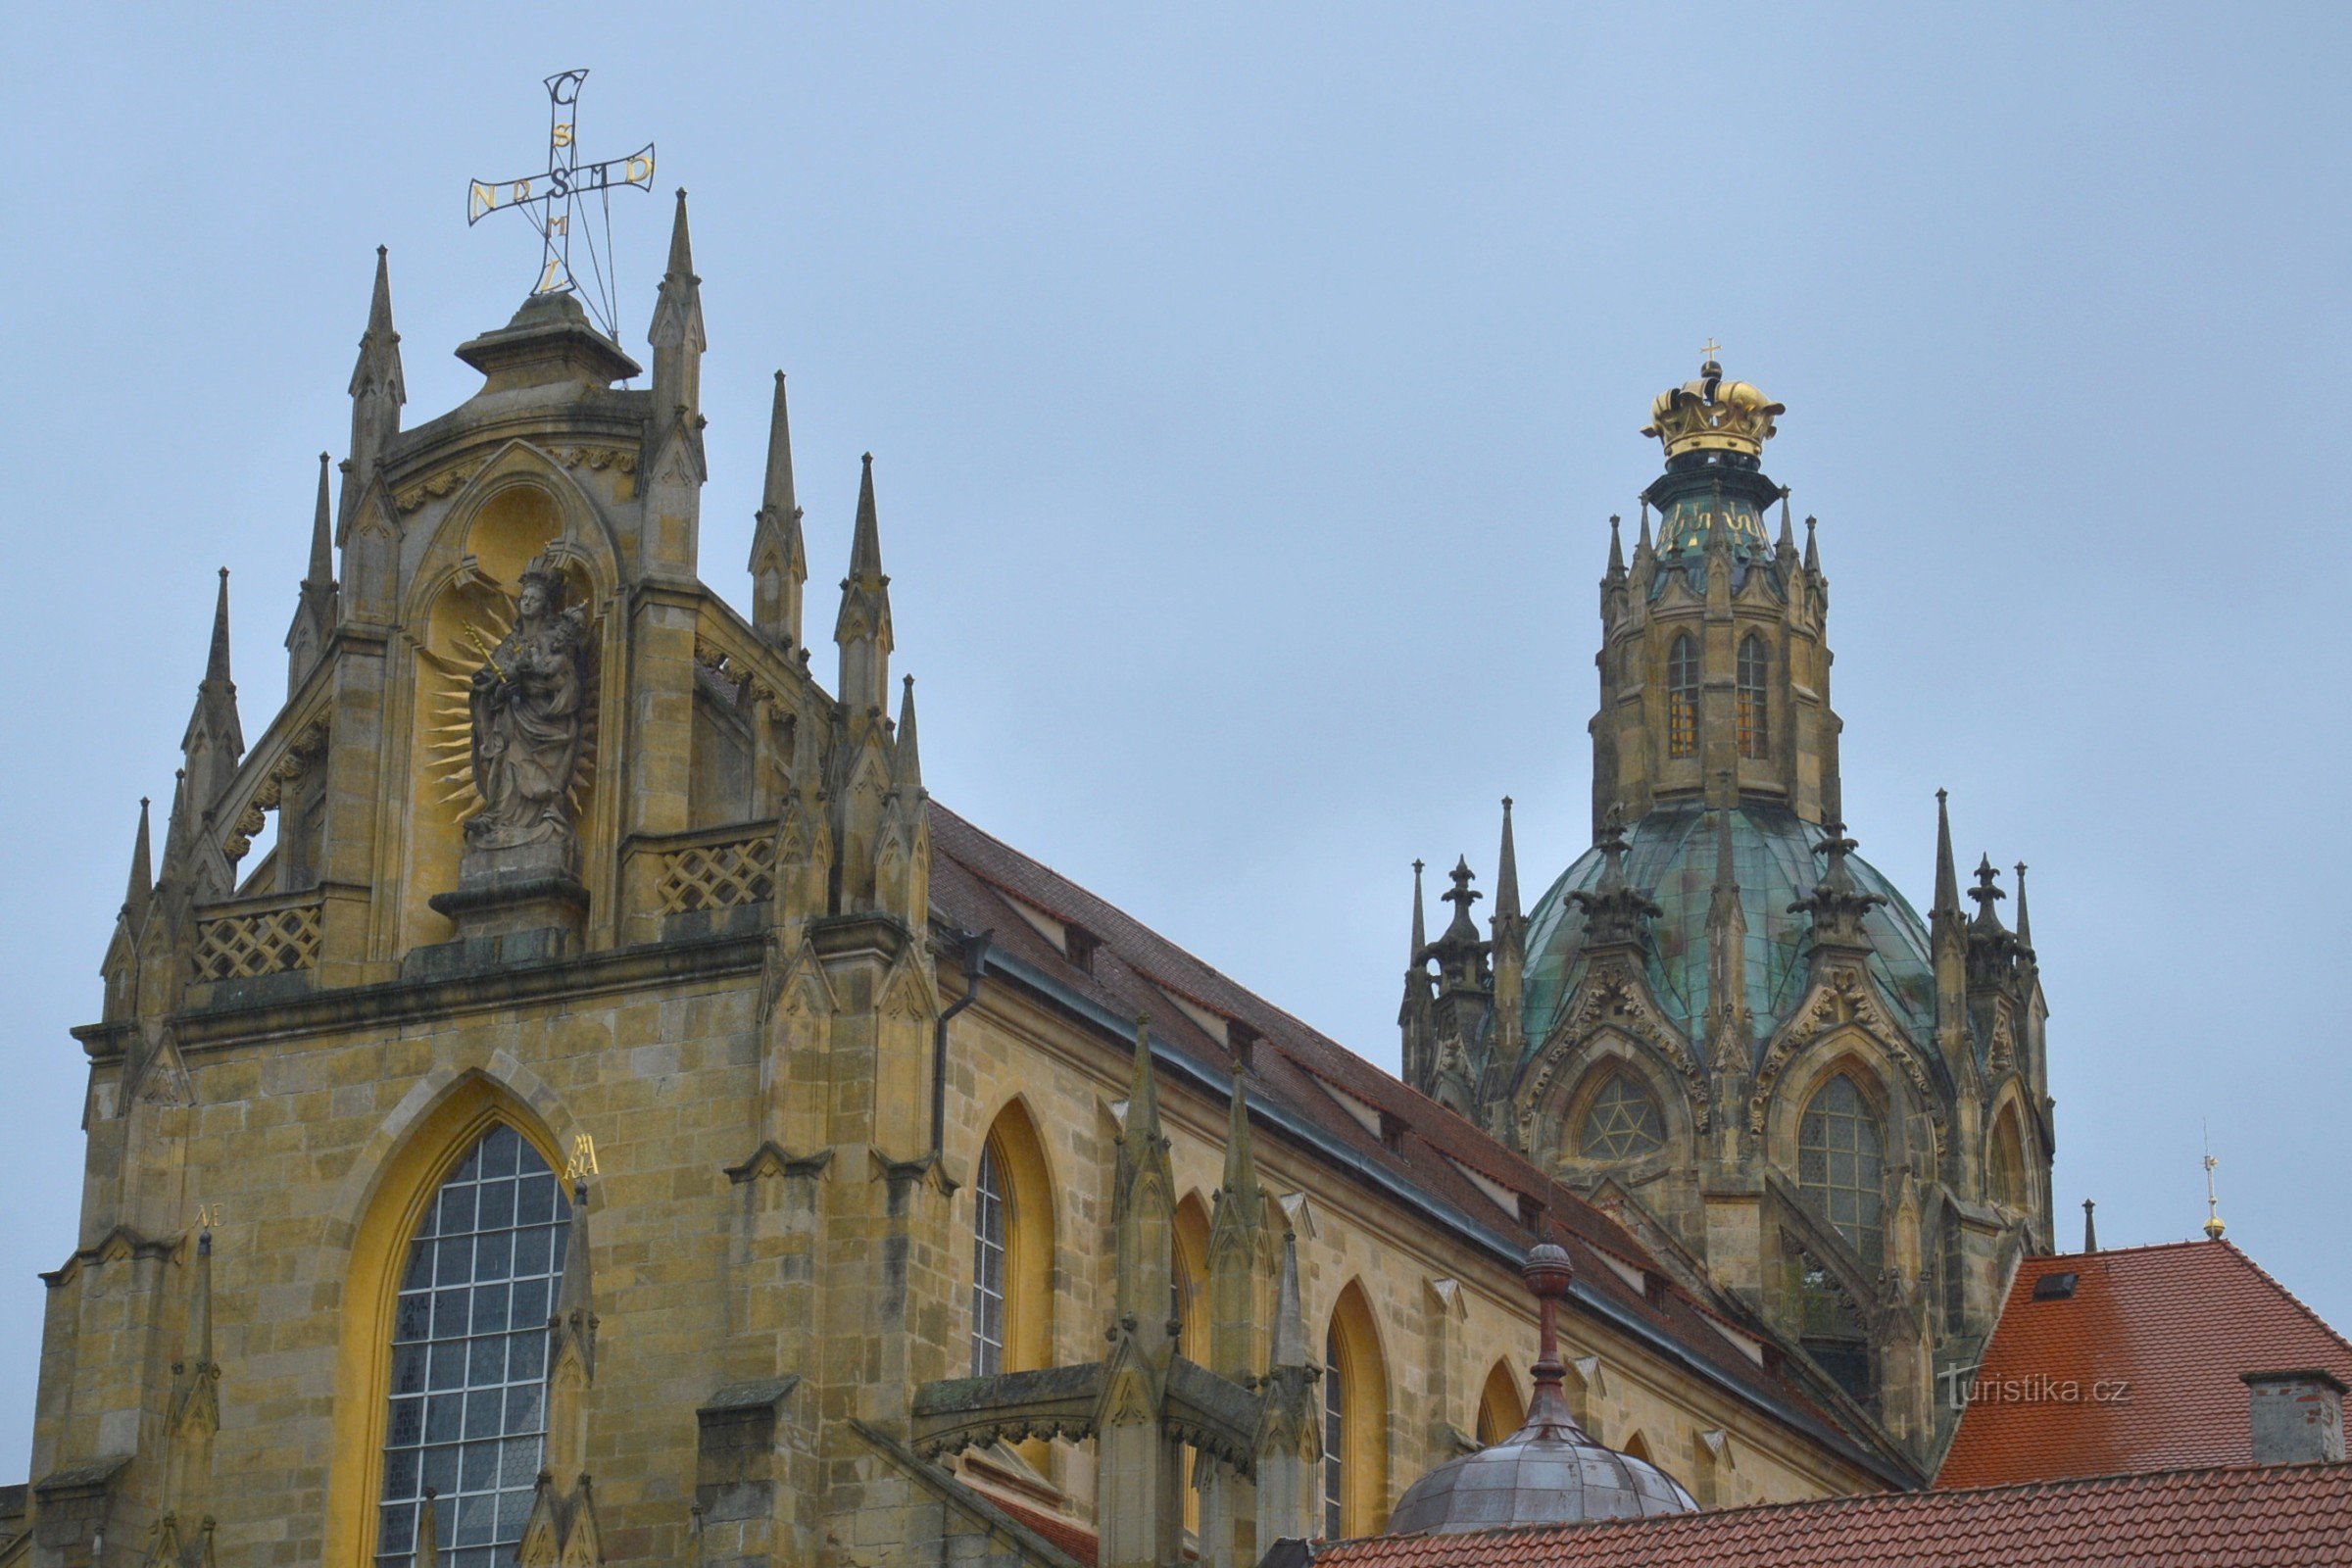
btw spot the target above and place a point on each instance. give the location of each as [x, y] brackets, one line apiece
[322, 535]
[906, 760]
[200, 1305]
[676, 332]
[314, 608]
[572, 1308]
[1642, 545]
[215, 664]
[1142, 1094]
[1290, 1348]
[1420, 923]
[1786, 545]
[1506, 871]
[1241, 1164]
[778, 496]
[571, 1320]
[1812, 549]
[863, 629]
[178, 840]
[866, 542]
[378, 367]
[2091, 1226]
[1616, 547]
[1947, 878]
[2024, 921]
[681, 247]
[428, 1532]
[378, 389]
[779, 562]
[142, 872]
[214, 739]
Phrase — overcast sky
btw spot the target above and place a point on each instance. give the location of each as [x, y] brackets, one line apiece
[1250, 389]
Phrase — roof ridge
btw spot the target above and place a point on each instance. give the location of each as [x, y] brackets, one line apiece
[2300, 1305]
[1141, 926]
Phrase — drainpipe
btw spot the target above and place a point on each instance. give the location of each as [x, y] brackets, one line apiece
[975, 955]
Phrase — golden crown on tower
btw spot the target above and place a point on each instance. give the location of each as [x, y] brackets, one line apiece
[1712, 415]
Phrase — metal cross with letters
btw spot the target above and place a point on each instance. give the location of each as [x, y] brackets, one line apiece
[551, 200]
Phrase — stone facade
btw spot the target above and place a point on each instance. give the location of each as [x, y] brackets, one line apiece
[1720, 1023]
[796, 1022]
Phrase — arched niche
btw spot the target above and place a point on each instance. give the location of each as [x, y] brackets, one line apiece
[1502, 1409]
[461, 600]
[1355, 1410]
[1011, 1170]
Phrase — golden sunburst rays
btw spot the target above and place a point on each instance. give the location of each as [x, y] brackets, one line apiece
[444, 697]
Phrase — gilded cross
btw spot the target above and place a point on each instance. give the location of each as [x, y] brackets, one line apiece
[551, 200]
[1706, 355]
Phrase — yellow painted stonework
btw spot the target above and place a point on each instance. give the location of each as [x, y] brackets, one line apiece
[742, 1022]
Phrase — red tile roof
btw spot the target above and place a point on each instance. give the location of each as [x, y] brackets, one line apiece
[2139, 1369]
[1138, 970]
[2267, 1516]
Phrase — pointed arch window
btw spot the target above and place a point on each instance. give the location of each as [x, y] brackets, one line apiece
[1621, 1122]
[988, 1265]
[469, 1342]
[1841, 1163]
[1755, 711]
[1682, 697]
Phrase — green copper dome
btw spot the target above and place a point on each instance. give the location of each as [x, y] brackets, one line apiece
[1669, 856]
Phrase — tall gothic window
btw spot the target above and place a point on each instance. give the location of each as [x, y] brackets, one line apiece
[1334, 1439]
[1681, 697]
[469, 1357]
[1754, 699]
[988, 1265]
[1621, 1122]
[1840, 1160]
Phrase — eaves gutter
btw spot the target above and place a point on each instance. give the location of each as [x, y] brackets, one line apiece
[1438, 1212]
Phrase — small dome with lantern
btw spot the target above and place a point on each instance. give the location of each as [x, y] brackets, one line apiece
[1551, 1471]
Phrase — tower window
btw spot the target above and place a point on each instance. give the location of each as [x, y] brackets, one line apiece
[470, 1357]
[1334, 1439]
[1840, 1162]
[1754, 697]
[1622, 1122]
[1681, 697]
[988, 1265]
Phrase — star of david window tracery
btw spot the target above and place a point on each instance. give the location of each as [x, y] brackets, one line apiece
[1621, 1122]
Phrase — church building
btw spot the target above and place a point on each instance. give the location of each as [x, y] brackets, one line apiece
[621, 1117]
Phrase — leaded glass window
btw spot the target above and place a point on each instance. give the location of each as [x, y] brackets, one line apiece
[1681, 697]
[1838, 1167]
[469, 1342]
[1334, 1442]
[1622, 1122]
[1754, 697]
[988, 1265]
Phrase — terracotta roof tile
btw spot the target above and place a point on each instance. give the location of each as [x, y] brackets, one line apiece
[2139, 1369]
[974, 876]
[2270, 1515]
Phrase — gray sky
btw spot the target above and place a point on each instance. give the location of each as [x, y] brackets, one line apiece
[1250, 389]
